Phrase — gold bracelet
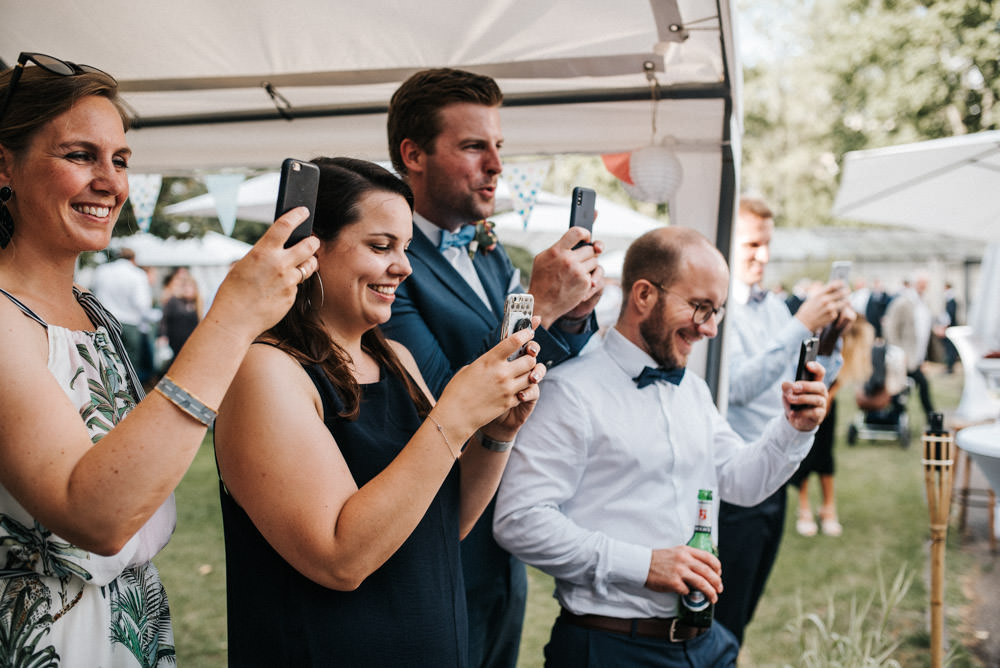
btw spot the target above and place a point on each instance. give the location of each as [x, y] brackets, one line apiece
[443, 435]
[185, 401]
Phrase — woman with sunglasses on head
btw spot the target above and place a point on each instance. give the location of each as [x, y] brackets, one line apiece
[87, 465]
[346, 489]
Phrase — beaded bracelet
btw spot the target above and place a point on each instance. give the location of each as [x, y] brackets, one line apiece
[185, 401]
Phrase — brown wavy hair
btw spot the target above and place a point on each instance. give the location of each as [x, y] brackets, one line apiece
[342, 184]
[41, 96]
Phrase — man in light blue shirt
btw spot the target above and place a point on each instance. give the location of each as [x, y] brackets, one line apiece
[601, 489]
[763, 340]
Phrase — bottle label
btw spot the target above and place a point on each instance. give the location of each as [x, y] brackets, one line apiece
[695, 601]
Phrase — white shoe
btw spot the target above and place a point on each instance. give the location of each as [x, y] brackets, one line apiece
[829, 524]
[805, 524]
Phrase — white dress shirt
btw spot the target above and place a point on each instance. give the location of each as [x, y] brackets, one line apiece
[124, 289]
[603, 473]
[763, 340]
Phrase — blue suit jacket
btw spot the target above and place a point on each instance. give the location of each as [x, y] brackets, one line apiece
[445, 325]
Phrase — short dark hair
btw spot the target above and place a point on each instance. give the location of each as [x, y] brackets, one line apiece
[657, 256]
[414, 110]
[41, 96]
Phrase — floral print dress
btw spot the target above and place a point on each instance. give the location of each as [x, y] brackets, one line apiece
[59, 604]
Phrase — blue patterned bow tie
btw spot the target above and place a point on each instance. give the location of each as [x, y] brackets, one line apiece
[757, 295]
[465, 234]
[650, 375]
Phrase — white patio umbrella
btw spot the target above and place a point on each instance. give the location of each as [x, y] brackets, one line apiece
[945, 185]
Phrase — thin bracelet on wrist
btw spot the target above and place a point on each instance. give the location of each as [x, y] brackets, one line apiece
[185, 401]
[494, 445]
[440, 429]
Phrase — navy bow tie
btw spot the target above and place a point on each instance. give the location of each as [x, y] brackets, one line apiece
[465, 234]
[650, 375]
[757, 295]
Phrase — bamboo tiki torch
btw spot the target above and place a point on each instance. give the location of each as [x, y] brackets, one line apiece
[939, 447]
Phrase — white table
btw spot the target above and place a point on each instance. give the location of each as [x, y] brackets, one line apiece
[982, 442]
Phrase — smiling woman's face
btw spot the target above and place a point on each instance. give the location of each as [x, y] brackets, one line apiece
[364, 265]
[71, 182]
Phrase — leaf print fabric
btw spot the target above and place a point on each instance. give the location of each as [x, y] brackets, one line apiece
[59, 604]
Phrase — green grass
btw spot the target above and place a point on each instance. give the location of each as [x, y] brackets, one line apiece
[880, 494]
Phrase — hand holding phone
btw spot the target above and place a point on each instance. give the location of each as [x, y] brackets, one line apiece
[807, 353]
[581, 210]
[517, 311]
[298, 187]
[839, 271]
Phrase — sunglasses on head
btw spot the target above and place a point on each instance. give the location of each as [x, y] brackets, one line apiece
[49, 64]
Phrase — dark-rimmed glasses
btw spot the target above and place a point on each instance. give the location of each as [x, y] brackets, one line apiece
[49, 64]
[702, 310]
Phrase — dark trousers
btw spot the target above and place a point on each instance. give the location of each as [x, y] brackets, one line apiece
[924, 388]
[950, 354]
[575, 647]
[748, 545]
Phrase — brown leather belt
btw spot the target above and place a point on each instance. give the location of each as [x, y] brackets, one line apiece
[664, 628]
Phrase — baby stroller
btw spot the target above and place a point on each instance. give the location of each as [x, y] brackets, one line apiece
[883, 398]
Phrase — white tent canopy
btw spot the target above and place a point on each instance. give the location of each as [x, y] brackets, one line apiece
[196, 73]
[245, 83]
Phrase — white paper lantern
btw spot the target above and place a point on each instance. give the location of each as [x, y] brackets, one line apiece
[656, 173]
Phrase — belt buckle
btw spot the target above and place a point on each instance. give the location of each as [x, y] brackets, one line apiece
[670, 631]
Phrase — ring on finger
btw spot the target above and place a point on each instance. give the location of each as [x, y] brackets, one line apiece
[304, 274]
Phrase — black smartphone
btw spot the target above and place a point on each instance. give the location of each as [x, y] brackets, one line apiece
[581, 210]
[807, 353]
[298, 187]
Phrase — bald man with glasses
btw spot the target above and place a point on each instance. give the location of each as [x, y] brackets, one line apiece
[601, 490]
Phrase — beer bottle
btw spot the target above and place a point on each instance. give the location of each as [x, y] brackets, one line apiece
[694, 608]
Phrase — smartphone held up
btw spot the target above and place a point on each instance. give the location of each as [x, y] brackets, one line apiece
[581, 210]
[840, 270]
[807, 353]
[298, 186]
[517, 311]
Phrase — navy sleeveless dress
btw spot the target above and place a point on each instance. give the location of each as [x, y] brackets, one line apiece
[410, 612]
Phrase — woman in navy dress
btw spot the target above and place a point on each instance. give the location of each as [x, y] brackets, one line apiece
[345, 489]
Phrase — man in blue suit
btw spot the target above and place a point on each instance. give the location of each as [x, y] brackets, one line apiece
[445, 140]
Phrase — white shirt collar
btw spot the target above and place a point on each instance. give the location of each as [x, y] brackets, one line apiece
[631, 358]
[740, 292]
[432, 231]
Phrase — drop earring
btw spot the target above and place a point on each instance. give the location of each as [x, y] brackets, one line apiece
[6, 220]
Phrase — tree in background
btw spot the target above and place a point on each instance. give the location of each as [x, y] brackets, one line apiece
[856, 74]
